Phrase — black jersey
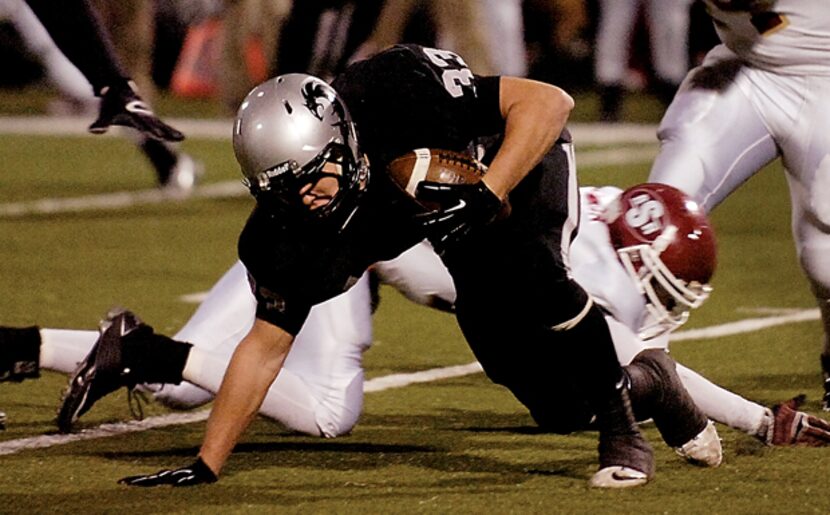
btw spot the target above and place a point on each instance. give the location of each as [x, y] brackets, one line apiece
[404, 98]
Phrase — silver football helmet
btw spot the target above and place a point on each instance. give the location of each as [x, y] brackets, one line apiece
[286, 130]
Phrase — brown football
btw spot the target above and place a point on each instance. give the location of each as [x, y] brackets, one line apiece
[424, 164]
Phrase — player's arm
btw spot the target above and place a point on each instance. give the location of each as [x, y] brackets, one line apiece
[253, 367]
[535, 114]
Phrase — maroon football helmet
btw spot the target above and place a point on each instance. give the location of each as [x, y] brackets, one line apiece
[666, 244]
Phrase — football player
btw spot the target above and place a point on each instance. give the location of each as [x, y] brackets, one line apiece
[308, 396]
[75, 28]
[762, 94]
[322, 219]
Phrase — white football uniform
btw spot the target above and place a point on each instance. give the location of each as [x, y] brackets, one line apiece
[320, 388]
[762, 94]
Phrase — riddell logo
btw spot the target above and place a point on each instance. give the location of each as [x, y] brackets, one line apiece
[645, 215]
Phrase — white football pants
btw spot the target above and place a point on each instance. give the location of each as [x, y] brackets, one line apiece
[728, 121]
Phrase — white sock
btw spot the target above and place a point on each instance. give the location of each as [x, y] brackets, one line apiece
[723, 406]
[62, 349]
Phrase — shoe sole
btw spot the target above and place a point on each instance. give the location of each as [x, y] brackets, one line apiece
[76, 392]
[618, 477]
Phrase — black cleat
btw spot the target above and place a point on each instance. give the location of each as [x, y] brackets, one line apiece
[825, 370]
[102, 371]
[2, 420]
[825, 400]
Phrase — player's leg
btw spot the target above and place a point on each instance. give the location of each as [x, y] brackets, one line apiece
[617, 19]
[658, 392]
[712, 139]
[807, 160]
[131, 26]
[527, 320]
[726, 407]
[217, 326]
[668, 27]
[318, 391]
[61, 72]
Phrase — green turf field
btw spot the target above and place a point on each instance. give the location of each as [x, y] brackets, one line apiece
[458, 445]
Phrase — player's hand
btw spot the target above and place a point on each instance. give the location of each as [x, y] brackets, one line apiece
[464, 208]
[121, 105]
[196, 474]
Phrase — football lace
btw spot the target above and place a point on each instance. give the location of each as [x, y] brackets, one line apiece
[463, 160]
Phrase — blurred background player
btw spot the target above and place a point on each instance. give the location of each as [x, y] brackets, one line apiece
[80, 61]
[489, 32]
[762, 94]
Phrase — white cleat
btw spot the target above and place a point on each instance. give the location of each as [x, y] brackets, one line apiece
[183, 177]
[704, 449]
[617, 476]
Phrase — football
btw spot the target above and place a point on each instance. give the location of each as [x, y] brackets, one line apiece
[443, 166]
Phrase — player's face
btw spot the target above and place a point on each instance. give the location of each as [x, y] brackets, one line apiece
[319, 193]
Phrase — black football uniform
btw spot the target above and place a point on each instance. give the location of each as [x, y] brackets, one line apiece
[75, 27]
[511, 277]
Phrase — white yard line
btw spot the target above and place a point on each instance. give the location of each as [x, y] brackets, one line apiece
[378, 384]
[115, 200]
[584, 134]
[220, 129]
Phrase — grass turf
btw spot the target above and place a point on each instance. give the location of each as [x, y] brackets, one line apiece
[459, 445]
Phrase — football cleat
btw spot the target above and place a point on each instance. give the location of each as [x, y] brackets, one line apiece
[2, 420]
[617, 476]
[792, 427]
[102, 371]
[181, 179]
[704, 449]
[121, 105]
[625, 461]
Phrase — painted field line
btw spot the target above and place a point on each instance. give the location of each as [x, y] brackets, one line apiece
[745, 326]
[172, 419]
[116, 200]
[220, 129]
[378, 384]
[229, 189]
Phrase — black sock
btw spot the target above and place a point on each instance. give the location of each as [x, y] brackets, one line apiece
[161, 156]
[19, 353]
[155, 358]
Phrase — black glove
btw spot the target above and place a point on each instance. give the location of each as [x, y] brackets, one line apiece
[752, 6]
[464, 208]
[121, 105]
[196, 474]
